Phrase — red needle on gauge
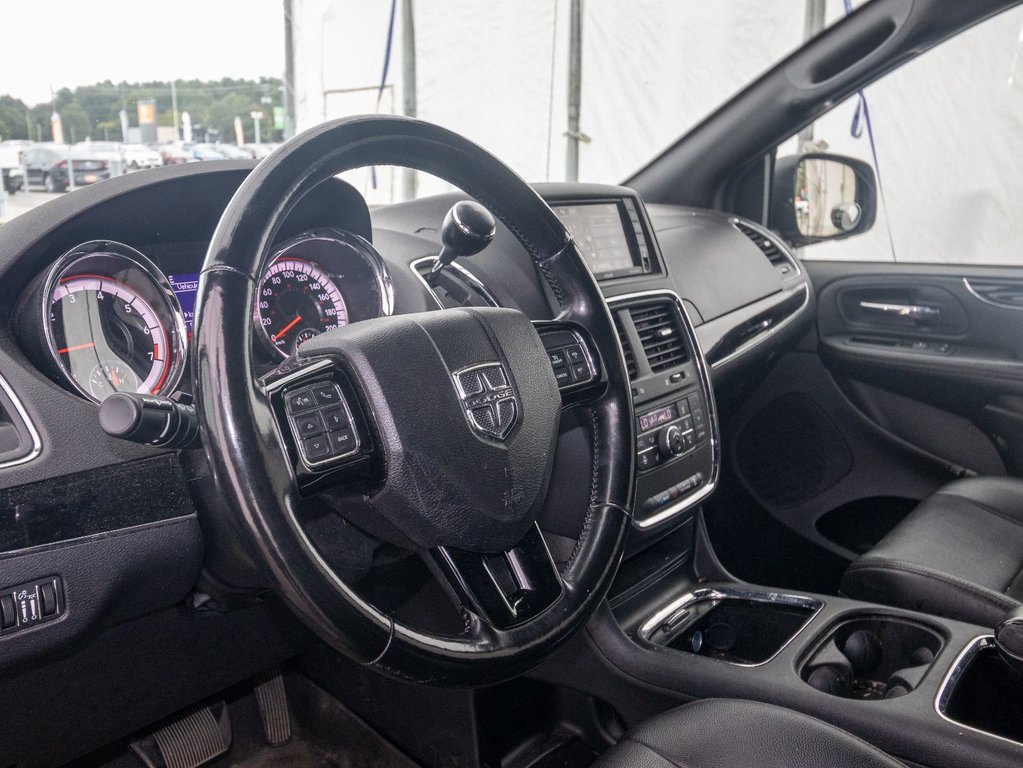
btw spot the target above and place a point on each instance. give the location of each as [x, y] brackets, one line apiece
[76, 348]
[288, 327]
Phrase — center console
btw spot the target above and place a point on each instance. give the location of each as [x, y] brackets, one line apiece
[677, 445]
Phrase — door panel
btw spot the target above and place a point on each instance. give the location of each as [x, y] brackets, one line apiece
[909, 380]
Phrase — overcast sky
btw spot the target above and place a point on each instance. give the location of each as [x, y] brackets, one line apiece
[135, 40]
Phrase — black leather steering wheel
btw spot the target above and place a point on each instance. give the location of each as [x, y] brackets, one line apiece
[466, 499]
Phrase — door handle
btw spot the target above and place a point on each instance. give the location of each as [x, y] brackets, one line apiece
[911, 311]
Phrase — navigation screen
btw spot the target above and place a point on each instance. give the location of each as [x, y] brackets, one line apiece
[597, 230]
[185, 285]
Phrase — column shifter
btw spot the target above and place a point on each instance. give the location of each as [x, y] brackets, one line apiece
[468, 228]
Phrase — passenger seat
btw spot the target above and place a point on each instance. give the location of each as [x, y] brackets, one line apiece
[958, 554]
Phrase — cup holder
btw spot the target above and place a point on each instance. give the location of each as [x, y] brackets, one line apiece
[739, 627]
[872, 657]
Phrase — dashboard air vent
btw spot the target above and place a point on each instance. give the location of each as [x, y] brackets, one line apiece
[630, 357]
[774, 253]
[660, 333]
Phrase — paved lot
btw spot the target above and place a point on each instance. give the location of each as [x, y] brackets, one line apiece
[20, 202]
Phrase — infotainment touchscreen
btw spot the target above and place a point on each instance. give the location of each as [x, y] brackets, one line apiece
[599, 231]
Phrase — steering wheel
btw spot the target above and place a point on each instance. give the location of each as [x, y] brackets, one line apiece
[454, 422]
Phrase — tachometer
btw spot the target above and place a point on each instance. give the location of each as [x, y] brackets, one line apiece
[318, 281]
[296, 302]
[112, 323]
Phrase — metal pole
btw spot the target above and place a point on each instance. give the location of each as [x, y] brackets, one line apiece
[174, 108]
[289, 73]
[575, 87]
[410, 181]
[813, 25]
[255, 121]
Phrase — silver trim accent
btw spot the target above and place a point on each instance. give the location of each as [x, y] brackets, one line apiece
[476, 284]
[37, 443]
[708, 394]
[677, 608]
[362, 247]
[985, 300]
[768, 235]
[764, 336]
[139, 260]
[915, 311]
[947, 687]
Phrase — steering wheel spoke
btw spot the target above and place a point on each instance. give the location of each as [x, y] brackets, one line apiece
[575, 360]
[320, 423]
[504, 589]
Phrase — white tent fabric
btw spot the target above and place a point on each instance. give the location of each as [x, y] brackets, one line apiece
[947, 126]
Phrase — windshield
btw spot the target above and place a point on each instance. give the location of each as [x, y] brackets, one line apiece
[561, 90]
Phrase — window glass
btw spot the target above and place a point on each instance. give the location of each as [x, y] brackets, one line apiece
[949, 145]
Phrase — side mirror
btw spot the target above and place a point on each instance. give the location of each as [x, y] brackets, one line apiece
[817, 197]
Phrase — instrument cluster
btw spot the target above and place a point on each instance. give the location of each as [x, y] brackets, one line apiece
[105, 318]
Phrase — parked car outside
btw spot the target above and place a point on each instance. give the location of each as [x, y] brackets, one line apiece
[11, 152]
[259, 151]
[138, 156]
[205, 152]
[172, 154]
[232, 152]
[47, 166]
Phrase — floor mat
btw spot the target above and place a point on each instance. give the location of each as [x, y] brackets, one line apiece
[325, 734]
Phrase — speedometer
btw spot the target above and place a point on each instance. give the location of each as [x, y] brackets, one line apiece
[296, 302]
[112, 323]
[316, 282]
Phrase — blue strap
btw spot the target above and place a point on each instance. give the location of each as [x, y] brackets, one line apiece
[387, 53]
[861, 120]
[383, 76]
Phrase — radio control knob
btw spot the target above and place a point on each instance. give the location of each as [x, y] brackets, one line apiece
[669, 440]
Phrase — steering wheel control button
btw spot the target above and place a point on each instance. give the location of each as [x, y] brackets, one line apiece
[581, 373]
[320, 423]
[558, 358]
[327, 394]
[309, 424]
[334, 418]
[563, 376]
[30, 604]
[316, 448]
[300, 401]
[575, 354]
[342, 441]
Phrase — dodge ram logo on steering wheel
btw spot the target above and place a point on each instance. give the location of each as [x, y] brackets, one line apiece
[488, 400]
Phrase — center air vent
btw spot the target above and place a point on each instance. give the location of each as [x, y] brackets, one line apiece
[660, 334]
[779, 259]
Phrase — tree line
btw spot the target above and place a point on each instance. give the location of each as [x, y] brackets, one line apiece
[93, 111]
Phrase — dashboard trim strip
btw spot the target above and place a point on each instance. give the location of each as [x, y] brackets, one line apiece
[708, 393]
[762, 337]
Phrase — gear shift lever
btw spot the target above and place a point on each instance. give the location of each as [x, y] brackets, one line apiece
[1009, 639]
[468, 228]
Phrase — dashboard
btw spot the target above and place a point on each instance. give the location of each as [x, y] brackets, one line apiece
[97, 295]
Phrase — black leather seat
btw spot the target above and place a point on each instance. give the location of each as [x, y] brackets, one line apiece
[722, 733]
[959, 554]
